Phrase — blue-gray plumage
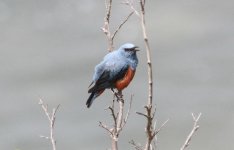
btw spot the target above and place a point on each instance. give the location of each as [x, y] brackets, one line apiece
[115, 71]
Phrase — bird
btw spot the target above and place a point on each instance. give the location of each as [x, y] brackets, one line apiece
[115, 71]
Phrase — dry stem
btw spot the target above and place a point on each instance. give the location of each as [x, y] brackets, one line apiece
[194, 129]
[149, 126]
[118, 119]
[51, 117]
[106, 27]
[149, 114]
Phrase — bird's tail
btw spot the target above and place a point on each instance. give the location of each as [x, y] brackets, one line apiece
[92, 97]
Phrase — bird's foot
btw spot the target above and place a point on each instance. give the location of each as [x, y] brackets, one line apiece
[120, 97]
[115, 93]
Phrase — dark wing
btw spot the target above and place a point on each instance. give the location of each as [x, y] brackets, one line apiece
[102, 82]
[106, 81]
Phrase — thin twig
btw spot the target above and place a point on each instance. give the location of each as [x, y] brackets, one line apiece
[159, 129]
[139, 113]
[106, 27]
[137, 147]
[51, 117]
[113, 114]
[130, 4]
[105, 127]
[119, 27]
[129, 108]
[194, 129]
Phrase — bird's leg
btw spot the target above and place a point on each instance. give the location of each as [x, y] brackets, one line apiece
[120, 96]
[115, 93]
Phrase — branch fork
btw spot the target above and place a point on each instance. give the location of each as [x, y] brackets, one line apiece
[51, 117]
[118, 119]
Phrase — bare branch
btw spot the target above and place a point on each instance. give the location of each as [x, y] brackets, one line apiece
[51, 117]
[136, 146]
[119, 27]
[194, 129]
[106, 26]
[108, 9]
[130, 4]
[139, 113]
[118, 118]
[113, 114]
[126, 117]
[157, 131]
[105, 127]
[149, 114]
[120, 114]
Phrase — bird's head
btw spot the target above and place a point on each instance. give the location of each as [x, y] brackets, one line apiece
[129, 49]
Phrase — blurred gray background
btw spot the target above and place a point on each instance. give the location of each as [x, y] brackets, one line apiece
[48, 49]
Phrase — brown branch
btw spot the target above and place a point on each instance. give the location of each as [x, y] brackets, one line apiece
[149, 129]
[139, 113]
[194, 129]
[51, 117]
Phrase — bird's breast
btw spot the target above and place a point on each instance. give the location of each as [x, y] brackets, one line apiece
[124, 82]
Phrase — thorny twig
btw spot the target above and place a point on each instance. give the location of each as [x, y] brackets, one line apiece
[51, 117]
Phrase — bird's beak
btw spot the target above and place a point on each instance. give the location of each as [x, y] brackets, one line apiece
[135, 48]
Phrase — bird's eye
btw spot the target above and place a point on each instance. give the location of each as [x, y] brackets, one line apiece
[129, 49]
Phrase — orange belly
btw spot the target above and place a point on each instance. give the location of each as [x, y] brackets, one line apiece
[124, 82]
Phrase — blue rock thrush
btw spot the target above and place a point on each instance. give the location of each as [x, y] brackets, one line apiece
[116, 70]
